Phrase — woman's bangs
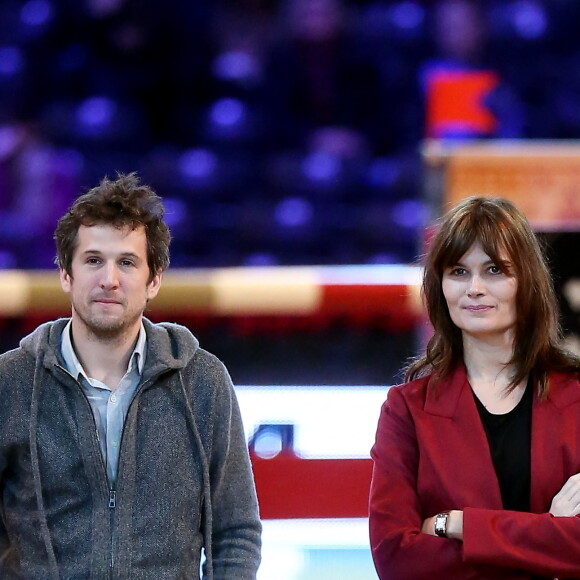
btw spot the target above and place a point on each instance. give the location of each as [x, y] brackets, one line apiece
[458, 242]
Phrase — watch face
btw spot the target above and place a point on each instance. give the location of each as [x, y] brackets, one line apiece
[441, 524]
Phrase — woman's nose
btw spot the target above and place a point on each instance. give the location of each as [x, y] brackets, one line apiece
[476, 287]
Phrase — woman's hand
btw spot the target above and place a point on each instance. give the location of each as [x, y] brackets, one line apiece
[454, 525]
[428, 526]
[566, 502]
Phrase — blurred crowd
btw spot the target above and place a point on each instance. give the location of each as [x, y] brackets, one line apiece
[278, 131]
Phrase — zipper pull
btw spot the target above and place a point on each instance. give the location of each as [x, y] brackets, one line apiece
[112, 499]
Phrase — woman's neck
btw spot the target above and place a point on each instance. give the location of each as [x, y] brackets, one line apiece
[487, 360]
[490, 373]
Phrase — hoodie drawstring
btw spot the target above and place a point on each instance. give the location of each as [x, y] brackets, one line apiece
[33, 441]
[207, 511]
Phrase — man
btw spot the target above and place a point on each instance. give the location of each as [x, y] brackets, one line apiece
[122, 453]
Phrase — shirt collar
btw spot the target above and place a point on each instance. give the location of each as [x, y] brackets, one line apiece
[74, 366]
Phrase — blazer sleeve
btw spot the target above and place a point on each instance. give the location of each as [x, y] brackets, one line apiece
[400, 551]
[540, 543]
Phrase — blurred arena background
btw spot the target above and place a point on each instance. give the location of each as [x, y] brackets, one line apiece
[304, 149]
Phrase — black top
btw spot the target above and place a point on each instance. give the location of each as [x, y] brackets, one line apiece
[510, 440]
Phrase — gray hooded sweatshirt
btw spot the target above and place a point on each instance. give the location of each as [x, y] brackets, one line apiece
[184, 483]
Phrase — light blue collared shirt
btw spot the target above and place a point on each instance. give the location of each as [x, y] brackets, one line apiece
[109, 406]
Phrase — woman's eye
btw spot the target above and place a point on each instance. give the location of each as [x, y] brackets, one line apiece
[457, 271]
[494, 270]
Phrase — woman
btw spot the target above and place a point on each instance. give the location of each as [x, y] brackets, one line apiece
[475, 458]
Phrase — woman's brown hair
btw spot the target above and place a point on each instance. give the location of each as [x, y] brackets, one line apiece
[500, 227]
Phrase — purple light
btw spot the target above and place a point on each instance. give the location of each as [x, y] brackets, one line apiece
[407, 15]
[529, 19]
[69, 162]
[227, 112]
[175, 211]
[236, 66]
[320, 166]
[10, 138]
[96, 112]
[7, 260]
[11, 60]
[383, 172]
[197, 163]
[261, 259]
[36, 12]
[410, 214]
[293, 212]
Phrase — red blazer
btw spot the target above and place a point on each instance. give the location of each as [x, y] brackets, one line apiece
[431, 454]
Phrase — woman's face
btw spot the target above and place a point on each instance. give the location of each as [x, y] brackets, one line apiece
[480, 297]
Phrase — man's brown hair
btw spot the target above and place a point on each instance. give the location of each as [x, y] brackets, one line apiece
[122, 202]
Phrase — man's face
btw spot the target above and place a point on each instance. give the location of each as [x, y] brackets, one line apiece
[110, 286]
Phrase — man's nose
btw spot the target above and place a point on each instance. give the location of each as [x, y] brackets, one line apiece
[110, 276]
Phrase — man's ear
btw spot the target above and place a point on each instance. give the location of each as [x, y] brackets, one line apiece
[154, 285]
[65, 280]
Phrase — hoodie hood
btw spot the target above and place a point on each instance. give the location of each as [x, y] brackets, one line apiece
[169, 345]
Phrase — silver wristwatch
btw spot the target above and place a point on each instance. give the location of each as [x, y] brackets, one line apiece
[441, 524]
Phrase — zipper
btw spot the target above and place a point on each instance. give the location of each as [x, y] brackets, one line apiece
[112, 501]
[112, 506]
[112, 492]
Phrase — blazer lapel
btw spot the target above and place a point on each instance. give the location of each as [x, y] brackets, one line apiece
[458, 453]
[462, 443]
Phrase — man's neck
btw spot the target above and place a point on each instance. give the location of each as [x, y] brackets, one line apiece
[104, 359]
